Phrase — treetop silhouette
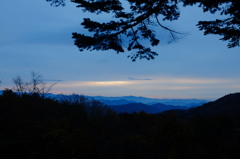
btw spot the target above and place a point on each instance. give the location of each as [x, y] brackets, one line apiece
[133, 22]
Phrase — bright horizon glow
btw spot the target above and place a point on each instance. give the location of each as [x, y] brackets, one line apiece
[165, 87]
[93, 83]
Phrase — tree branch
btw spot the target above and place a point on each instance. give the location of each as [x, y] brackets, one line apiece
[172, 32]
[139, 19]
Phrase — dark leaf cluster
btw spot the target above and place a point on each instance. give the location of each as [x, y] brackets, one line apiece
[57, 3]
[131, 23]
[229, 28]
[99, 6]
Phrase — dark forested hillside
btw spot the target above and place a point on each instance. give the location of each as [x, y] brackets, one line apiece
[227, 105]
[35, 127]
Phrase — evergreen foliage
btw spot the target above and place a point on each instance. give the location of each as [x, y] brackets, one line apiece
[133, 22]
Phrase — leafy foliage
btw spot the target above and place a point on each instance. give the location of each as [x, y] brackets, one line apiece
[57, 2]
[133, 22]
[229, 28]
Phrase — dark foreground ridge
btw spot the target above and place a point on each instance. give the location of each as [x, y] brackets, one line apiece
[36, 127]
[227, 105]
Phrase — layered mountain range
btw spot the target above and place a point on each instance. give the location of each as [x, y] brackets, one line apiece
[228, 104]
[149, 101]
[131, 104]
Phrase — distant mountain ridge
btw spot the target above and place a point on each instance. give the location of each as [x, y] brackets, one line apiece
[134, 99]
[137, 107]
[226, 105]
[131, 104]
[149, 101]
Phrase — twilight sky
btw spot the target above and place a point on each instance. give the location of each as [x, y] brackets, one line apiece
[37, 37]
